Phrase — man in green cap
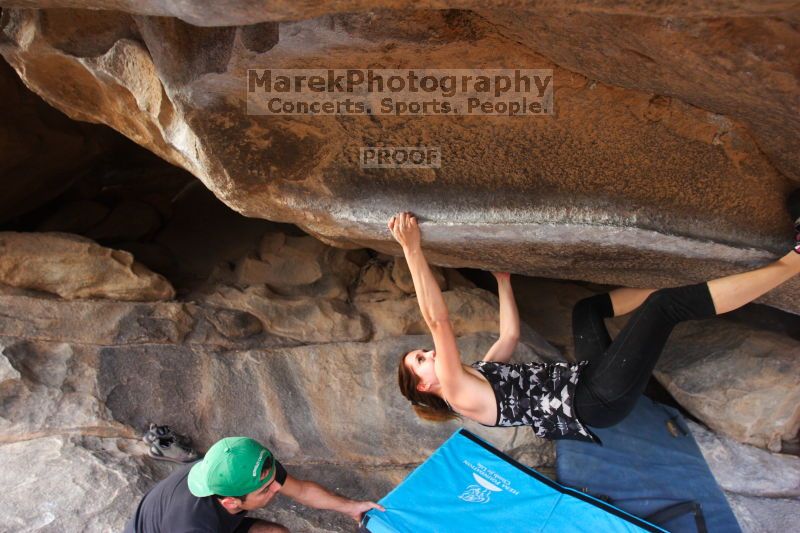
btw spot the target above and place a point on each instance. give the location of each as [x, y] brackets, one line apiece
[237, 475]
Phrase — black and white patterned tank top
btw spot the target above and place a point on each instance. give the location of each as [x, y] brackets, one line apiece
[538, 395]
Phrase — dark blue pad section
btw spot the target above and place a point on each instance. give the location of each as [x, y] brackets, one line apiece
[643, 468]
[467, 486]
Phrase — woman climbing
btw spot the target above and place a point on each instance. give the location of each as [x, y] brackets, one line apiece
[559, 400]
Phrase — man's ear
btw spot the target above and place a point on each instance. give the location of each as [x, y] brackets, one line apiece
[231, 504]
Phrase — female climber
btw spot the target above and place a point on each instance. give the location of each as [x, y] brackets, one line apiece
[559, 400]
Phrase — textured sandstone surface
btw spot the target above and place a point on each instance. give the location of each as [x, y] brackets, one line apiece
[81, 378]
[75, 267]
[665, 162]
[85, 376]
[762, 487]
[673, 145]
[95, 478]
[738, 380]
[241, 12]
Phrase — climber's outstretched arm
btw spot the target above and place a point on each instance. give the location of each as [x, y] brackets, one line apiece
[449, 370]
[502, 350]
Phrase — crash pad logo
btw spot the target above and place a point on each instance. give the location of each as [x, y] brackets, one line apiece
[487, 481]
[480, 493]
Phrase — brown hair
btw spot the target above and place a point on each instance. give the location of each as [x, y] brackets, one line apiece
[426, 405]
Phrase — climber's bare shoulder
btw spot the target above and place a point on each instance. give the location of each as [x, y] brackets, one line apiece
[474, 398]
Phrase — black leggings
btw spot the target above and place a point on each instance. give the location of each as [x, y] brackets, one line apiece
[618, 371]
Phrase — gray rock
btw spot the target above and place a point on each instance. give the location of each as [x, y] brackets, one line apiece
[765, 515]
[7, 372]
[762, 488]
[57, 484]
[302, 318]
[738, 380]
[297, 266]
[747, 470]
[54, 393]
[471, 311]
[35, 316]
[329, 400]
[401, 275]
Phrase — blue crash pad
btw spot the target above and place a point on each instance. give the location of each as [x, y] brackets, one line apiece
[468, 486]
[642, 468]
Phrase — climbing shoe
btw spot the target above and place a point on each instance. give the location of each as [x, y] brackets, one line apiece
[155, 432]
[171, 449]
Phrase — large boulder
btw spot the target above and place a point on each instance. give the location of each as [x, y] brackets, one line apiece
[242, 12]
[75, 267]
[308, 376]
[763, 488]
[60, 483]
[738, 380]
[654, 175]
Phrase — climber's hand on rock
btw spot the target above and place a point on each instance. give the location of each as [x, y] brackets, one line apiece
[405, 230]
[501, 277]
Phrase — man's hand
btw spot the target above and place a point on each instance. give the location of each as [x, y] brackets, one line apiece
[405, 230]
[356, 509]
[316, 496]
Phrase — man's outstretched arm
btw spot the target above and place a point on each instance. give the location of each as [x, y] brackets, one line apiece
[315, 495]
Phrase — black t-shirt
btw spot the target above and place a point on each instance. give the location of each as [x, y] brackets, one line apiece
[169, 507]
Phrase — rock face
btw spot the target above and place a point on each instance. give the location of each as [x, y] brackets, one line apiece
[738, 380]
[762, 487]
[234, 13]
[336, 400]
[664, 164]
[79, 379]
[96, 480]
[75, 267]
[667, 160]
[311, 377]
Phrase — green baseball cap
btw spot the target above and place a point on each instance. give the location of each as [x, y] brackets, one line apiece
[231, 467]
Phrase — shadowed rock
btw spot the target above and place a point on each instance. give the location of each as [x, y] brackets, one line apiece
[42, 152]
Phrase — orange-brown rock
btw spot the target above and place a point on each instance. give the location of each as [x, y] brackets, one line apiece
[652, 172]
[75, 267]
